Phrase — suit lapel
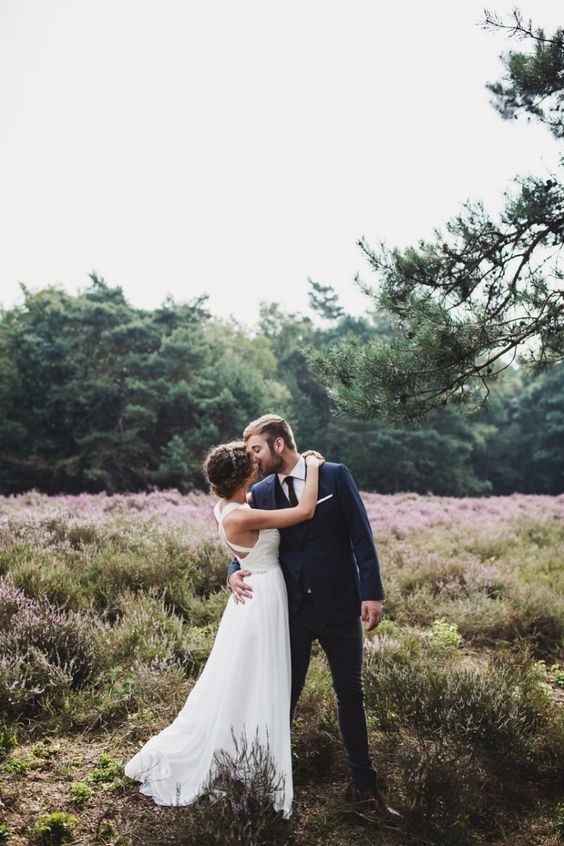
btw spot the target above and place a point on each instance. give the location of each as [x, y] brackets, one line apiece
[323, 491]
[272, 494]
[279, 497]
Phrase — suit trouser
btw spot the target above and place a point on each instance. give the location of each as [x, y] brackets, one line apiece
[342, 644]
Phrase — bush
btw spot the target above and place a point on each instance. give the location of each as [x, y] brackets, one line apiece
[446, 785]
[79, 565]
[236, 810]
[445, 637]
[504, 709]
[163, 564]
[80, 793]
[65, 638]
[106, 771]
[44, 652]
[140, 695]
[16, 766]
[144, 631]
[464, 743]
[53, 829]
[29, 683]
[538, 618]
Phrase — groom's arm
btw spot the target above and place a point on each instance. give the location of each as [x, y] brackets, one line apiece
[361, 538]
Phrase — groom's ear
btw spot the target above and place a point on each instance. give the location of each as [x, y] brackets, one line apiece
[279, 444]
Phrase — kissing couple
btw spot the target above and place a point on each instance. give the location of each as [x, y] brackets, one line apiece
[305, 568]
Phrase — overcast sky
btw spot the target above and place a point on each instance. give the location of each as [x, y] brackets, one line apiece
[236, 148]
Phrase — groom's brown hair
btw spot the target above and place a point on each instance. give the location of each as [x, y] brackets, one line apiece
[273, 427]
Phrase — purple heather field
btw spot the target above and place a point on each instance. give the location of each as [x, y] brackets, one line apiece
[396, 515]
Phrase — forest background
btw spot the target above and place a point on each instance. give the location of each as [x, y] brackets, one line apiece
[96, 394]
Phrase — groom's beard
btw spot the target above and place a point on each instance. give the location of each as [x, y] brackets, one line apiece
[273, 465]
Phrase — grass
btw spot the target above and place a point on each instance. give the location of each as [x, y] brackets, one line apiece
[114, 618]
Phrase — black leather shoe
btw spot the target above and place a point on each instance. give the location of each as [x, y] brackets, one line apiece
[367, 801]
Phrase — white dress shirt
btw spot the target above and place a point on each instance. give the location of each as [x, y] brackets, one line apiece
[299, 474]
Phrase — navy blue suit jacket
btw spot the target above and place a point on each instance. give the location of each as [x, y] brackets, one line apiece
[333, 555]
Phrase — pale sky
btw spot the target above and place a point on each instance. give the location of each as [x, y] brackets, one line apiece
[236, 148]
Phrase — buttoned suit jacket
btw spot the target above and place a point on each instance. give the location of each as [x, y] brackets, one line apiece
[332, 555]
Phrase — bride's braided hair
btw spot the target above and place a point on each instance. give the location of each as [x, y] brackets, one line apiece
[227, 467]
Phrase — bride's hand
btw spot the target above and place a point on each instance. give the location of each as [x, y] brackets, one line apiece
[313, 458]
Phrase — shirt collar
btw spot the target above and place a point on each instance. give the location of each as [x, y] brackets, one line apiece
[298, 471]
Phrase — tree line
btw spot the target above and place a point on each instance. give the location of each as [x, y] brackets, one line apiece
[96, 394]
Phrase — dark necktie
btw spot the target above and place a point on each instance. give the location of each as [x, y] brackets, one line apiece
[291, 492]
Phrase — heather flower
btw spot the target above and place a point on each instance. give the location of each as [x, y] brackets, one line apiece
[43, 650]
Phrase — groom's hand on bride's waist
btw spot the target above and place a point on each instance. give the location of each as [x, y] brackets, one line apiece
[240, 589]
[372, 611]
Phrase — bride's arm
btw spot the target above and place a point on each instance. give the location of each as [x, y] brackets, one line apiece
[280, 518]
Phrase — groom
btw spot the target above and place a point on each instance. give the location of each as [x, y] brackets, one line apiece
[333, 579]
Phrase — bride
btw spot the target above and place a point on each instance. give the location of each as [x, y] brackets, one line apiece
[244, 688]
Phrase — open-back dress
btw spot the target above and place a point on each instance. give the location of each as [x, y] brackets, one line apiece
[243, 690]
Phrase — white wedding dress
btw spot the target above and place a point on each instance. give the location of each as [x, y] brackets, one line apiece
[244, 687]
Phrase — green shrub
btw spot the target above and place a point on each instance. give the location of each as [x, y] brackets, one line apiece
[446, 785]
[80, 793]
[236, 810]
[29, 682]
[445, 637]
[163, 564]
[538, 618]
[4, 832]
[53, 829]
[16, 766]
[44, 652]
[106, 771]
[503, 710]
[203, 611]
[405, 643]
[68, 532]
[462, 745]
[145, 631]
[81, 566]
[148, 693]
[45, 750]
[48, 574]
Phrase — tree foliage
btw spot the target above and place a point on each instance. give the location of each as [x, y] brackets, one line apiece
[97, 395]
[480, 294]
[533, 81]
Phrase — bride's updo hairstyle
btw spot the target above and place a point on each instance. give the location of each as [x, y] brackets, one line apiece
[227, 467]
